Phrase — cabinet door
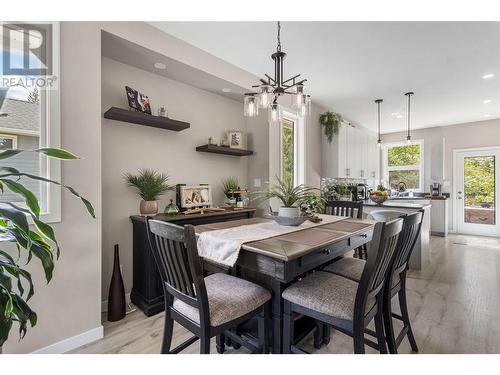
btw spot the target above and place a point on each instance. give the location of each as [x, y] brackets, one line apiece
[353, 152]
[342, 151]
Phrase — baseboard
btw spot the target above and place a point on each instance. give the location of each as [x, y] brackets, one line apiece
[72, 342]
[104, 304]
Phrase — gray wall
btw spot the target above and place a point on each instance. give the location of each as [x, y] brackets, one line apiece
[70, 304]
[438, 159]
[129, 147]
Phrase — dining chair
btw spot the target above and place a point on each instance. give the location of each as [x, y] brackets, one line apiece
[353, 209]
[395, 283]
[207, 306]
[342, 303]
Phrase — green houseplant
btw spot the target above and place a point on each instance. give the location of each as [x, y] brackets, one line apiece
[16, 284]
[149, 185]
[291, 197]
[331, 121]
[229, 185]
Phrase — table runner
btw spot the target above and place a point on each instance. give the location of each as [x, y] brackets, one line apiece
[223, 245]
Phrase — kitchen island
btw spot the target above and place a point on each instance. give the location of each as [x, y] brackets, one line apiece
[391, 209]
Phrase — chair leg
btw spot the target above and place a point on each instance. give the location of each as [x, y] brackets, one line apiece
[204, 344]
[404, 314]
[318, 334]
[388, 323]
[220, 343]
[264, 328]
[327, 331]
[379, 330]
[359, 337]
[287, 327]
[168, 330]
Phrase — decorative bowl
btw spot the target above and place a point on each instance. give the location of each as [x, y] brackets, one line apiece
[378, 199]
[289, 221]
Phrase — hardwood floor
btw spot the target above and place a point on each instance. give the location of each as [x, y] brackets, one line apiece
[454, 306]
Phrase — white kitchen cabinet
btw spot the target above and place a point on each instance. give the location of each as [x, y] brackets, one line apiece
[353, 153]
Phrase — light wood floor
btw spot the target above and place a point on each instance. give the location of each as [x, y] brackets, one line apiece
[454, 305]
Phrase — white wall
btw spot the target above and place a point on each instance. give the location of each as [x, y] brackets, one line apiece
[129, 147]
[438, 159]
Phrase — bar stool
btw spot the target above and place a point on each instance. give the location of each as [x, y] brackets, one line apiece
[346, 305]
[395, 282]
[207, 306]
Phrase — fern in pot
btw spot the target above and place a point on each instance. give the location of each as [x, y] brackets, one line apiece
[150, 185]
[290, 196]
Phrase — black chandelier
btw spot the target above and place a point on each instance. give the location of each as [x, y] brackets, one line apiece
[379, 140]
[408, 134]
[271, 88]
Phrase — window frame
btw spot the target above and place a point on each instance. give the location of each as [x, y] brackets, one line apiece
[298, 146]
[50, 136]
[419, 167]
[13, 137]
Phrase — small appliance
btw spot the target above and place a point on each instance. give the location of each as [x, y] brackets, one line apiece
[363, 192]
[435, 189]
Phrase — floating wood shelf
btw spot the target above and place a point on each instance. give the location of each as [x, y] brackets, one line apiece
[140, 118]
[223, 150]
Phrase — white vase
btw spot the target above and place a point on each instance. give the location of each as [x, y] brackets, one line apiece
[289, 211]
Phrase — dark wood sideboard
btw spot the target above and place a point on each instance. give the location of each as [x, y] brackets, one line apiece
[147, 290]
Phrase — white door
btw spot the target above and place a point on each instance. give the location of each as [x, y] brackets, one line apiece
[477, 191]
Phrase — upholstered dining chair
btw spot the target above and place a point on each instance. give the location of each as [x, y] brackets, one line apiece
[342, 303]
[207, 306]
[353, 209]
[352, 269]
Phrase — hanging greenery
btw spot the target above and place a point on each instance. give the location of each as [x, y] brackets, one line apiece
[331, 122]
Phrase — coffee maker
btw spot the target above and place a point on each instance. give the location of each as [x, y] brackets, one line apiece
[435, 189]
[362, 192]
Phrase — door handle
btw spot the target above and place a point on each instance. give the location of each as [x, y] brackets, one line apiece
[459, 195]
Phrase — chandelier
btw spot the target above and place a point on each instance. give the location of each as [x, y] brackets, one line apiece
[271, 88]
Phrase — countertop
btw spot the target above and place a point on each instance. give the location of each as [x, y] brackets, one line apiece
[394, 203]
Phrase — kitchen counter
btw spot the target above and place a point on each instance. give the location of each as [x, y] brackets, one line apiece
[392, 209]
[396, 203]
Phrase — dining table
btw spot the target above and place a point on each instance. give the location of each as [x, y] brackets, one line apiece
[275, 263]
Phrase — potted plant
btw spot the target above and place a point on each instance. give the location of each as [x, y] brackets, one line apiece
[291, 196]
[331, 122]
[16, 284]
[149, 185]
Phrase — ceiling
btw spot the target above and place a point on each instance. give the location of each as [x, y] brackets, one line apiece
[126, 52]
[350, 64]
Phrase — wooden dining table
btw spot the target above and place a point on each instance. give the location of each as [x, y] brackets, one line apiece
[275, 263]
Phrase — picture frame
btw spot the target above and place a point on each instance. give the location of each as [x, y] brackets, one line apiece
[235, 139]
[194, 196]
[137, 100]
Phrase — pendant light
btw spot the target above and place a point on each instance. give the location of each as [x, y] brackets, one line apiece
[379, 141]
[408, 136]
[270, 88]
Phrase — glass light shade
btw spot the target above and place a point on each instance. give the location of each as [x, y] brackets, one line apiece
[251, 109]
[274, 114]
[408, 140]
[297, 97]
[305, 106]
[265, 96]
[379, 143]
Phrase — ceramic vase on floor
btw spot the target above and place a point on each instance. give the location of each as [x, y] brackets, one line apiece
[116, 296]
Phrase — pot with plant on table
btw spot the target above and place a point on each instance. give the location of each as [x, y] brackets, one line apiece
[291, 198]
[150, 185]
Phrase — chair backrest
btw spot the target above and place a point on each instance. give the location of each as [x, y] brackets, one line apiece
[412, 224]
[345, 208]
[176, 255]
[382, 248]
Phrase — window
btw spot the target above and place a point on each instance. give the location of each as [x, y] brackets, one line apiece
[288, 150]
[403, 163]
[30, 119]
[8, 142]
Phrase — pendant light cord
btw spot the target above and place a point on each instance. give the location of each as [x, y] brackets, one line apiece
[409, 94]
[378, 105]
[279, 37]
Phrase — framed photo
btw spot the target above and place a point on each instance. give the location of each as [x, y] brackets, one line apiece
[137, 100]
[195, 196]
[235, 139]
